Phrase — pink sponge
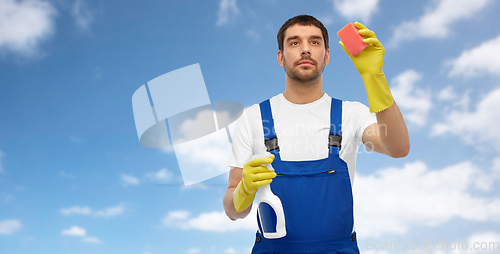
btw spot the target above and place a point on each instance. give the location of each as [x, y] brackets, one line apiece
[353, 41]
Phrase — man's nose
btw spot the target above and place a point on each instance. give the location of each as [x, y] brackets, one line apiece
[305, 49]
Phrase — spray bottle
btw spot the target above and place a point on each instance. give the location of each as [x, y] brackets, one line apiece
[270, 209]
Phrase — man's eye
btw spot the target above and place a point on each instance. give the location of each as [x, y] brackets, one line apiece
[295, 43]
[315, 42]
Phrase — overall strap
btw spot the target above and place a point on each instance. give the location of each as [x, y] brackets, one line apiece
[270, 138]
[335, 137]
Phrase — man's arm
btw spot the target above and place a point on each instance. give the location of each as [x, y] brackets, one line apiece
[389, 135]
[235, 176]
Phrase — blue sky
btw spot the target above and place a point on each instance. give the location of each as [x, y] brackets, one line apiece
[75, 179]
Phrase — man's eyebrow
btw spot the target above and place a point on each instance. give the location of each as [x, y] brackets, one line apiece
[315, 37]
[292, 38]
[296, 37]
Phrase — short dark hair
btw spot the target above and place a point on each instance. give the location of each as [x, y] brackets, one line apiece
[305, 20]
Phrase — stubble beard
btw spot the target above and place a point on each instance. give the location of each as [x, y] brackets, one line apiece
[298, 74]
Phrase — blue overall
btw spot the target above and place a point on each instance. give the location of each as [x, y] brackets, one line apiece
[316, 197]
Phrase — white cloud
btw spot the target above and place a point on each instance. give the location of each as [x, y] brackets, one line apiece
[356, 9]
[438, 19]
[228, 10]
[76, 210]
[200, 159]
[231, 251]
[474, 127]
[163, 175]
[193, 250]
[451, 98]
[80, 232]
[200, 151]
[106, 213]
[482, 59]
[174, 216]
[129, 179]
[74, 231]
[212, 221]
[24, 24]
[485, 241]
[91, 239]
[189, 128]
[414, 102]
[447, 94]
[110, 211]
[82, 15]
[394, 199]
[496, 164]
[8, 227]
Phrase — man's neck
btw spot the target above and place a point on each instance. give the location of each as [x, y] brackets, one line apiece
[303, 93]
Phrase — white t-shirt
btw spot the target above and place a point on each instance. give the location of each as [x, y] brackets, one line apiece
[302, 131]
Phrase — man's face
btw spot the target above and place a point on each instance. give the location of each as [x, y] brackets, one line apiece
[304, 55]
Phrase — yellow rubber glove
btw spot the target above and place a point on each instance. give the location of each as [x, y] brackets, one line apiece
[369, 65]
[255, 175]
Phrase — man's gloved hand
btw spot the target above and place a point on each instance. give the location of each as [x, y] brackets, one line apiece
[369, 65]
[255, 175]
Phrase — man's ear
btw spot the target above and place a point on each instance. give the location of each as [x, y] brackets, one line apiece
[327, 57]
[280, 58]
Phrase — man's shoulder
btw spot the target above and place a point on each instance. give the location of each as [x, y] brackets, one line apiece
[255, 108]
[354, 106]
[252, 113]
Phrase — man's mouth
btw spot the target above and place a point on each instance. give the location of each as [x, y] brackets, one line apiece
[306, 63]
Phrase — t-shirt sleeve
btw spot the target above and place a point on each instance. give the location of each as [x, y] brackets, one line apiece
[241, 149]
[362, 119]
